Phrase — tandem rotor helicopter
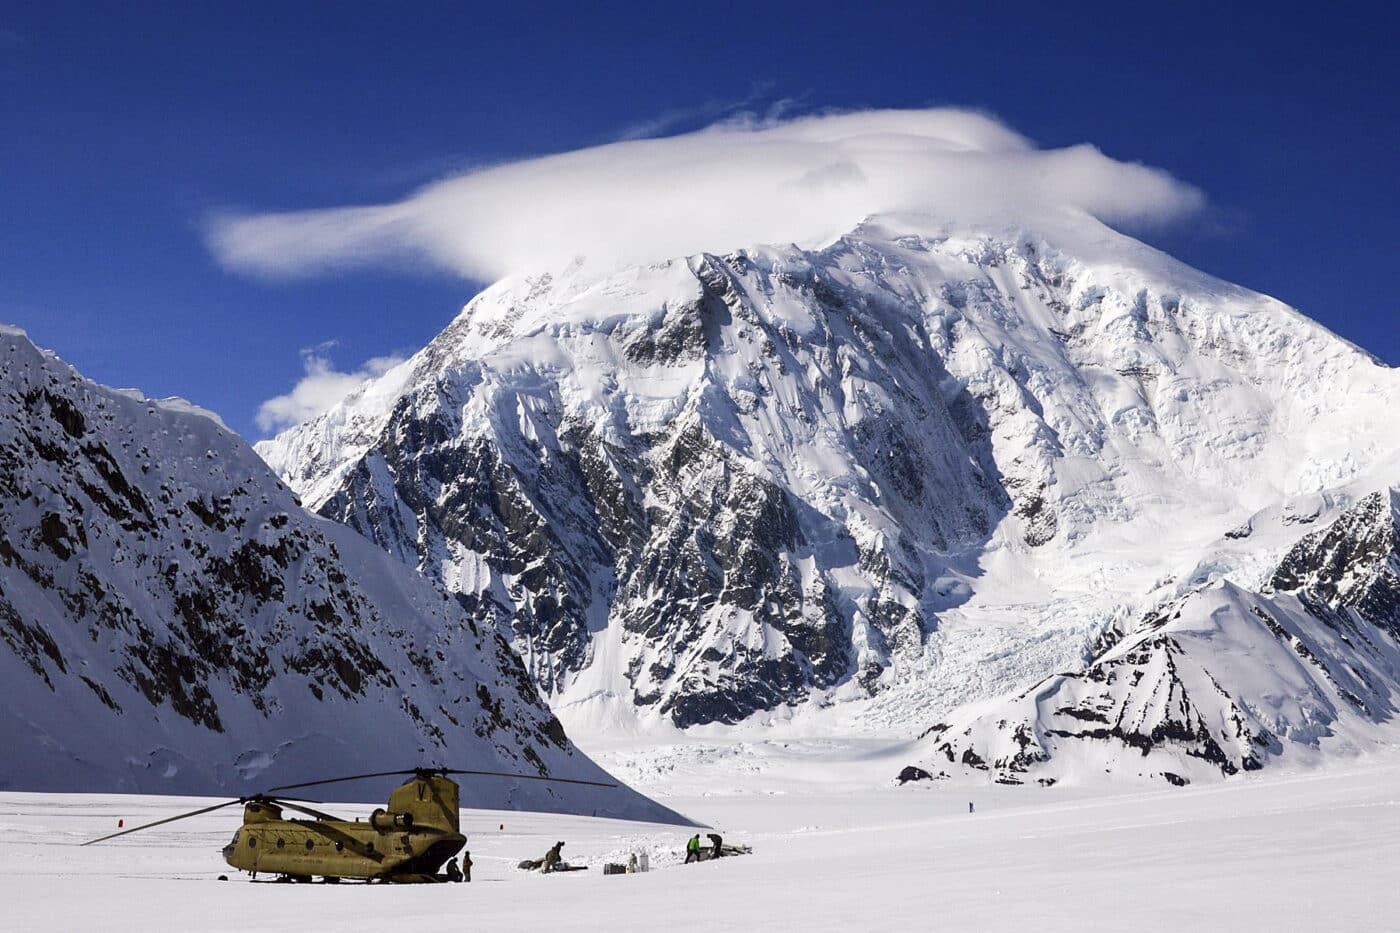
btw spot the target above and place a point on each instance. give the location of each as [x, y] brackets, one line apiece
[406, 842]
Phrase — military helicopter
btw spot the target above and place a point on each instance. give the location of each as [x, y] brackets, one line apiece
[407, 842]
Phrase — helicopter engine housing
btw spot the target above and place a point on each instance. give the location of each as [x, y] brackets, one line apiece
[387, 822]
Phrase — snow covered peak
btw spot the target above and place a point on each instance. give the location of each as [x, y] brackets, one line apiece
[1215, 682]
[1110, 278]
[729, 484]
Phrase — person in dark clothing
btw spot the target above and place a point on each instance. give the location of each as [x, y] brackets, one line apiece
[552, 858]
[692, 849]
[715, 843]
[466, 866]
[453, 874]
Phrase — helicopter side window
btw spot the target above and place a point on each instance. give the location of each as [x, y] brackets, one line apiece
[310, 845]
[339, 846]
[281, 843]
[252, 842]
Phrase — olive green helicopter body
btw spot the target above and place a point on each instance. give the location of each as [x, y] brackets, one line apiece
[416, 834]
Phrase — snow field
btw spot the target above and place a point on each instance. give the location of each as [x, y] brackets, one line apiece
[1280, 852]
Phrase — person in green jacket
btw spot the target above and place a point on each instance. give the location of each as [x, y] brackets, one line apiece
[692, 849]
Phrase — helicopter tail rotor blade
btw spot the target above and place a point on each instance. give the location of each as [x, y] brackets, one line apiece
[169, 819]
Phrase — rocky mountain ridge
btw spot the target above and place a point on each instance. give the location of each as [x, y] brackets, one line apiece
[1216, 682]
[171, 620]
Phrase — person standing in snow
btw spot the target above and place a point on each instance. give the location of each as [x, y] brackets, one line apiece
[466, 866]
[552, 858]
[692, 849]
[715, 843]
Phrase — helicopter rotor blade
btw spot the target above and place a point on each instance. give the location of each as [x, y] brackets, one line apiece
[170, 819]
[339, 780]
[527, 777]
[284, 802]
[501, 774]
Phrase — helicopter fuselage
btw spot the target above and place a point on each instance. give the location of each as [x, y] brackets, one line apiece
[409, 841]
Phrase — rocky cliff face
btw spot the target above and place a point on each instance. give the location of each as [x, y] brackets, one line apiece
[730, 484]
[1218, 681]
[172, 620]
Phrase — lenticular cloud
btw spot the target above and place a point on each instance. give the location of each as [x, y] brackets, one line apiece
[734, 184]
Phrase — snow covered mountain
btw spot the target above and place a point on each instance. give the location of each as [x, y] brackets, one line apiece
[918, 468]
[1217, 681]
[171, 620]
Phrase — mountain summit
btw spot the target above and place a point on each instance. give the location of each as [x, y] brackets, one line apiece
[916, 468]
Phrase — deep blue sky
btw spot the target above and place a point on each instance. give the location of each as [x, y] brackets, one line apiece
[122, 125]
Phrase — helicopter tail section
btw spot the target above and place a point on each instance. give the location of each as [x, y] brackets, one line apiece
[430, 800]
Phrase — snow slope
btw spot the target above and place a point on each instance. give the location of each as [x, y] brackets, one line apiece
[858, 486]
[1219, 680]
[172, 620]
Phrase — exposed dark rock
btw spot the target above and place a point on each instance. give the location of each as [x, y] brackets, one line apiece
[159, 583]
[1328, 620]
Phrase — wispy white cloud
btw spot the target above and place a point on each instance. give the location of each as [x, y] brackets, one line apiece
[709, 111]
[319, 389]
[747, 180]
